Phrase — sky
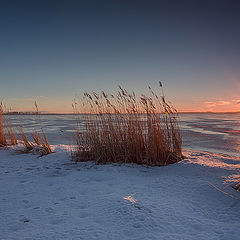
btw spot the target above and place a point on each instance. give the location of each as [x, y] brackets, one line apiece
[52, 51]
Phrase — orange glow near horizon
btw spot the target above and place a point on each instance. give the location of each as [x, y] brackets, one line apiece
[65, 107]
[58, 105]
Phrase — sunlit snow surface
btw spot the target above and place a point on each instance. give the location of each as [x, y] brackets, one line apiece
[51, 197]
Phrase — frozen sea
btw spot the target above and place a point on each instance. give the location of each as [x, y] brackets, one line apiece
[216, 133]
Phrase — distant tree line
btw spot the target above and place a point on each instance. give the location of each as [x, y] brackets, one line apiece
[21, 113]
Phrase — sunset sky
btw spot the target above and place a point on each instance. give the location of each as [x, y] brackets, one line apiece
[51, 51]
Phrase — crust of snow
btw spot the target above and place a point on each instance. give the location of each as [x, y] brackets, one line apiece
[51, 197]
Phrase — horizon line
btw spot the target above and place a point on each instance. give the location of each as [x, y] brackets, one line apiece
[72, 113]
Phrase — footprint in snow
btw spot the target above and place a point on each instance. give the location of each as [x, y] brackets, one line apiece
[24, 219]
[55, 221]
[84, 215]
[25, 201]
[49, 210]
[82, 207]
[29, 169]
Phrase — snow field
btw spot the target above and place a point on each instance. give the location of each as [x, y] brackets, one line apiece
[53, 198]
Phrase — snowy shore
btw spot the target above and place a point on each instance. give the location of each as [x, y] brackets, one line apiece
[53, 198]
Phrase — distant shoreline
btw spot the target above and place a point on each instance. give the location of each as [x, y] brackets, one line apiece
[33, 113]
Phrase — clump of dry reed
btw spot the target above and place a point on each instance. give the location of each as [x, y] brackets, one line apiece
[42, 142]
[125, 129]
[41, 139]
[29, 146]
[3, 140]
[11, 133]
[39, 144]
[6, 124]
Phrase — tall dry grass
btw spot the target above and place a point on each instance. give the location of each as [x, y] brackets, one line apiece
[40, 139]
[126, 129]
[40, 142]
[11, 133]
[3, 140]
[6, 124]
[29, 146]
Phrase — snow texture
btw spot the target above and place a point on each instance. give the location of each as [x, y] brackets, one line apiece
[51, 198]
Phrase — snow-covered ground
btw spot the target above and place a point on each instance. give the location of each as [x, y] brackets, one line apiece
[51, 197]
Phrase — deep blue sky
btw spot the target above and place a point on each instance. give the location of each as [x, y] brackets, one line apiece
[52, 50]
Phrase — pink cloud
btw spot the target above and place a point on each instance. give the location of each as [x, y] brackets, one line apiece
[217, 103]
[237, 101]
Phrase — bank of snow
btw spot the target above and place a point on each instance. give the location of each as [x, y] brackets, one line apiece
[53, 198]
